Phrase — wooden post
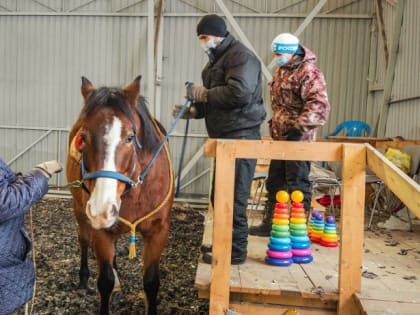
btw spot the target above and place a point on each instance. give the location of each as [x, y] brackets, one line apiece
[222, 228]
[351, 224]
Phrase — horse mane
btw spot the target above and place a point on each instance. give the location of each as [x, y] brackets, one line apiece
[115, 98]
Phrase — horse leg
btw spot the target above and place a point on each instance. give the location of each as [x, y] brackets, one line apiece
[84, 231]
[103, 245]
[153, 247]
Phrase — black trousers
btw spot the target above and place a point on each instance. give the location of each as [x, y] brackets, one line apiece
[289, 176]
[244, 174]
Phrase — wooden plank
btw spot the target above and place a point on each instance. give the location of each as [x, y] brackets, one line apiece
[280, 150]
[351, 224]
[222, 229]
[266, 309]
[393, 270]
[287, 299]
[377, 305]
[397, 181]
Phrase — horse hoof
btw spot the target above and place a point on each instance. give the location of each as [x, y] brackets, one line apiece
[86, 291]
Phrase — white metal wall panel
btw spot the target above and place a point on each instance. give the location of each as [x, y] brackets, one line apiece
[47, 47]
[404, 112]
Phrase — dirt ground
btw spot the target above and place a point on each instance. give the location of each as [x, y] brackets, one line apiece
[57, 266]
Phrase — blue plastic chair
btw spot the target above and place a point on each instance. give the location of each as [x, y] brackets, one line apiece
[352, 128]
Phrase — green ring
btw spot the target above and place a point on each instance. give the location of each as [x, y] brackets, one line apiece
[280, 228]
[295, 226]
[298, 232]
[280, 234]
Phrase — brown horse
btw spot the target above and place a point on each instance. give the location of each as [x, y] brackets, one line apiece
[119, 155]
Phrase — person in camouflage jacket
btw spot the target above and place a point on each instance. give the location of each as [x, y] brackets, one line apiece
[299, 104]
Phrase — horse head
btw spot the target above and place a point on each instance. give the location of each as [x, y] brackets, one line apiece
[108, 141]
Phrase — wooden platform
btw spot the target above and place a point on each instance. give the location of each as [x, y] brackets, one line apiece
[305, 295]
[390, 278]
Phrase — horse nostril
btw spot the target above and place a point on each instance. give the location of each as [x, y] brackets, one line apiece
[114, 210]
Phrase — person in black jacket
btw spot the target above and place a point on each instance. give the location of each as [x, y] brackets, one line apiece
[230, 101]
[17, 194]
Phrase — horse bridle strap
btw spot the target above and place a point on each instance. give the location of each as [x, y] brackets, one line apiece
[133, 226]
[110, 174]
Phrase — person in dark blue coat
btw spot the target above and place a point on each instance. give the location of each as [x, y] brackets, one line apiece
[18, 193]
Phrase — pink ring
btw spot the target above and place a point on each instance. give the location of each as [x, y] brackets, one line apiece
[279, 254]
[302, 252]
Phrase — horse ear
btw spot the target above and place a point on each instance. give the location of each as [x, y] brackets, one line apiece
[87, 87]
[132, 91]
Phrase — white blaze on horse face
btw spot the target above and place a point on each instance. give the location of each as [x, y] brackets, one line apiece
[104, 203]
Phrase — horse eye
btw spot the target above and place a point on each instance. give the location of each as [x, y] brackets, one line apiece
[129, 139]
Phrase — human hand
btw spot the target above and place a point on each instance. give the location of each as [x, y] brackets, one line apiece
[197, 93]
[293, 134]
[190, 112]
[49, 168]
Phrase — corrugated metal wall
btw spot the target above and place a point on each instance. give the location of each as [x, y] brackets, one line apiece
[46, 46]
[404, 113]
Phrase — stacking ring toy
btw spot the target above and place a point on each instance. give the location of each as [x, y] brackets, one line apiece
[280, 233]
[303, 245]
[295, 226]
[297, 196]
[328, 244]
[298, 220]
[302, 252]
[282, 196]
[298, 215]
[298, 210]
[281, 216]
[275, 240]
[302, 259]
[279, 262]
[280, 228]
[298, 232]
[282, 211]
[280, 221]
[299, 239]
[280, 247]
[279, 255]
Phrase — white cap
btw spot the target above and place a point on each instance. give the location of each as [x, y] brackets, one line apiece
[285, 43]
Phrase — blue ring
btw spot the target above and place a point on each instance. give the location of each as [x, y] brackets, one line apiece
[279, 262]
[301, 245]
[303, 259]
[280, 247]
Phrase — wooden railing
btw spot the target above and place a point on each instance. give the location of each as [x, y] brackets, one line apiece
[354, 158]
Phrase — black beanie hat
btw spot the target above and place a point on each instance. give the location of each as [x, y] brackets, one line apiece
[212, 24]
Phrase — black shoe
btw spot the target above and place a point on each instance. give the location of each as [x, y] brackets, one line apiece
[260, 230]
[206, 248]
[207, 258]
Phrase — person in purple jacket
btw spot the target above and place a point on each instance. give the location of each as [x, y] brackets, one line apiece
[18, 193]
[300, 105]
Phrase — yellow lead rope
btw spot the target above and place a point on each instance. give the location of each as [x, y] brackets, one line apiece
[133, 226]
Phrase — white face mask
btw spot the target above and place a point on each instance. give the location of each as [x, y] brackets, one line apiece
[208, 45]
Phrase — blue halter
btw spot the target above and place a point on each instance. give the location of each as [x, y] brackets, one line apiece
[110, 174]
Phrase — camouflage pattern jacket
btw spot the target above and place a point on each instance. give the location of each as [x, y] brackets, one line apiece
[298, 97]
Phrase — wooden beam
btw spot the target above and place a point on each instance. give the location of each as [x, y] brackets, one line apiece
[397, 181]
[222, 228]
[310, 17]
[281, 150]
[390, 71]
[381, 27]
[243, 37]
[351, 223]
